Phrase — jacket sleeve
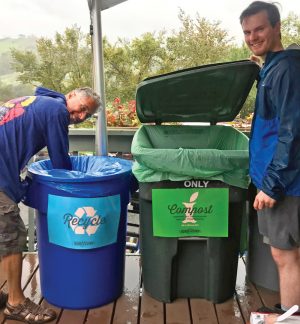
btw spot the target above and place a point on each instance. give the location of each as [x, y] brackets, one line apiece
[284, 167]
[58, 141]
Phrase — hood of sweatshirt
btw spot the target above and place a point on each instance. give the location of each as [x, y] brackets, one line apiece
[40, 91]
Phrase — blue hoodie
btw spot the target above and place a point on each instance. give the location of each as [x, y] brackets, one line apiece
[275, 136]
[27, 125]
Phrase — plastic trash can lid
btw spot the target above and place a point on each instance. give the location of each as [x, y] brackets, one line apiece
[84, 169]
[208, 93]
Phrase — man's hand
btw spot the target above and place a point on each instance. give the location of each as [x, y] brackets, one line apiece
[262, 200]
[256, 59]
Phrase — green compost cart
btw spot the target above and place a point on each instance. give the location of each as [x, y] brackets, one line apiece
[193, 179]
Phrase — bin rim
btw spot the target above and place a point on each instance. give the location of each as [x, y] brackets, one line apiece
[42, 171]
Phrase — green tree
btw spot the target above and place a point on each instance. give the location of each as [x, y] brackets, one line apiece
[237, 53]
[290, 30]
[5, 59]
[198, 42]
[61, 64]
[66, 62]
[129, 62]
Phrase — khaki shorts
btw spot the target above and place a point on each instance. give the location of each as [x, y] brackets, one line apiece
[13, 233]
[280, 225]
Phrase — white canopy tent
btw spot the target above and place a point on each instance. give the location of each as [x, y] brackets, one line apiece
[96, 6]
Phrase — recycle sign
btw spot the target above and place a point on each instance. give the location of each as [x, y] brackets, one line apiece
[85, 221]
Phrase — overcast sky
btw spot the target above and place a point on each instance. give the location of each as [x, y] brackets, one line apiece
[126, 20]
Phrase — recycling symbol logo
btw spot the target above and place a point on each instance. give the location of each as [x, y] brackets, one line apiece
[86, 221]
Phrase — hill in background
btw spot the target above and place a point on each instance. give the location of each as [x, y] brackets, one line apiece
[7, 75]
[9, 87]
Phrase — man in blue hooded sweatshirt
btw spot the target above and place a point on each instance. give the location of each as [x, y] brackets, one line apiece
[275, 145]
[27, 125]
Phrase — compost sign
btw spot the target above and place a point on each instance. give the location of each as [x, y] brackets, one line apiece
[83, 223]
[190, 212]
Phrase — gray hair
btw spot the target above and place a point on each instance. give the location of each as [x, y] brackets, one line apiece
[89, 92]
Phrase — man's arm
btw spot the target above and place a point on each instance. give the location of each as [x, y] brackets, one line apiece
[58, 141]
[284, 167]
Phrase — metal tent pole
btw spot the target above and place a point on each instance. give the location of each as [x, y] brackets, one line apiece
[96, 6]
[98, 67]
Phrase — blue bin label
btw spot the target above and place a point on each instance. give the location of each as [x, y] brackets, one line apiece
[83, 223]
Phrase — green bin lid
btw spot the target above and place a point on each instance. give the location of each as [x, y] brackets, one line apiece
[208, 93]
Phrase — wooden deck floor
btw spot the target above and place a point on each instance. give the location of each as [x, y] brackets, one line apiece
[136, 307]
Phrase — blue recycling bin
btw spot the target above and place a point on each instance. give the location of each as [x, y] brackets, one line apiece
[81, 229]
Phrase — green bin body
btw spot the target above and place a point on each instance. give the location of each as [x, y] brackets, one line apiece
[179, 156]
[190, 267]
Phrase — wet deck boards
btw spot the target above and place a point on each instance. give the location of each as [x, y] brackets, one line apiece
[136, 307]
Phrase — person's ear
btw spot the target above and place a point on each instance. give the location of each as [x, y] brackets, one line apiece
[71, 94]
[278, 27]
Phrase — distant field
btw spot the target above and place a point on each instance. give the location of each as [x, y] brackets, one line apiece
[22, 42]
[6, 44]
[9, 78]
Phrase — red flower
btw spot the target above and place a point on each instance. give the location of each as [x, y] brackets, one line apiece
[121, 114]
